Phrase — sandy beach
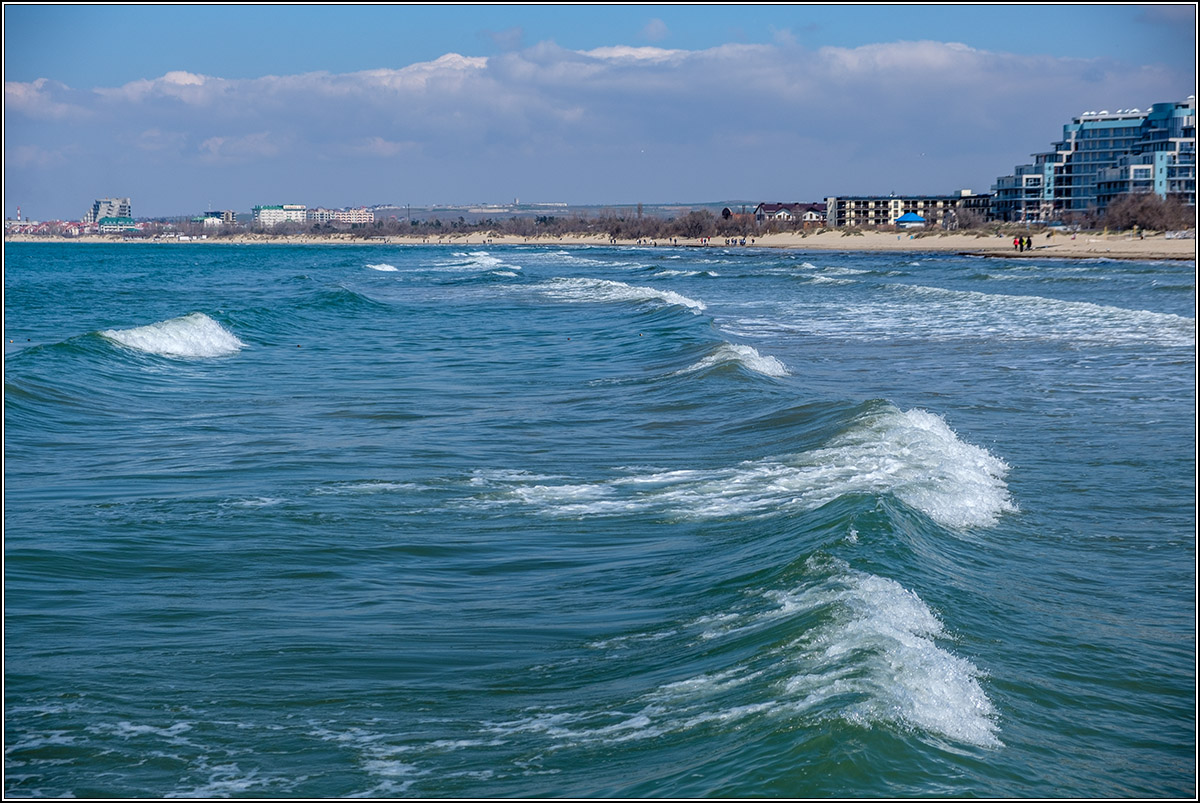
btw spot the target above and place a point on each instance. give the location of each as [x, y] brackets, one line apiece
[1084, 245]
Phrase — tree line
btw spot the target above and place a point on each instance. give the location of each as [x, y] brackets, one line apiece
[1143, 211]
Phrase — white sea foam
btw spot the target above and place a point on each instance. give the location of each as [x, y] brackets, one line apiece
[476, 261]
[261, 501]
[367, 487]
[378, 757]
[225, 780]
[953, 315]
[747, 356]
[383, 266]
[671, 272]
[195, 335]
[913, 456]
[1023, 316]
[605, 290]
[878, 651]
[873, 659]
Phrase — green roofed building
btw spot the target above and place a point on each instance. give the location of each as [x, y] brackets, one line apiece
[116, 225]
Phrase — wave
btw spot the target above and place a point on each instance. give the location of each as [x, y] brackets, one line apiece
[913, 456]
[875, 657]
[476, 261]
[383, 266]
[746, 356]
[955, 315]
[606, 290]
[1022, 316]
[867, 654]
[194, 335]
[664, 274]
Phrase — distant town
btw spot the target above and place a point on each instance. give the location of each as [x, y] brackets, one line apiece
[1125, 167]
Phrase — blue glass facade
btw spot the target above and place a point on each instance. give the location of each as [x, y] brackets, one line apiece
[1103, 155]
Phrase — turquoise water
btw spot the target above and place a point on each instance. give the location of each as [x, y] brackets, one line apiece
[527, 521]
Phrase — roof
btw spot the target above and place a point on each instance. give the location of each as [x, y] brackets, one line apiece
[793, 207]
[910, 217]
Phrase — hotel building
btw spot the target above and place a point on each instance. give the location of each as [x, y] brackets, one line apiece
[280, 213]
[1103, 155]
[351, 216]
[875, 211]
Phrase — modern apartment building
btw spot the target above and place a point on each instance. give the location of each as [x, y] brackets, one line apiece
[279, 213]
[875, 211]
[109, 207]
[351, 216]
[1102, 155]
[355, 216]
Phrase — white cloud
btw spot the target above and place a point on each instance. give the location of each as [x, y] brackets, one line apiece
[637, 54]
[727, 120]
[37, 99]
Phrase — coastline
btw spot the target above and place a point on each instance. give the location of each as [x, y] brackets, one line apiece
[1082, 246]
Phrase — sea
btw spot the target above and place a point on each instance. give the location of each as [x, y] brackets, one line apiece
[484, 521]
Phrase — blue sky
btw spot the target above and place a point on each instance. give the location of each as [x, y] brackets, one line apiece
[180, 107]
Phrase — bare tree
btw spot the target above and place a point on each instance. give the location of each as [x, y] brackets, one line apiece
[1148, 211]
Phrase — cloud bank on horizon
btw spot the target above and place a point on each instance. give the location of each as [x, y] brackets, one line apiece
[614, 124]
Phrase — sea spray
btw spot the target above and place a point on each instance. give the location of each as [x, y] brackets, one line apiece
[746, 356]
[876, 650]
[912, 455]
[194, 335]
[608, 291]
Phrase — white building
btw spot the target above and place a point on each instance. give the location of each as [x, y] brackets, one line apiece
[280, 213]
[359, 215]
[352, 216]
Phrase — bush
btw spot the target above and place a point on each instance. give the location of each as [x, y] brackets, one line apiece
[1148, 211]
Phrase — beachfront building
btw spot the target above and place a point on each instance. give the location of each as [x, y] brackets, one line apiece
[355, 216]
[807, 215]
[268, 216]
[1103, 155]
[116, 225]
[216, 220]
[872, 211]
[109, 207]
[352, 216]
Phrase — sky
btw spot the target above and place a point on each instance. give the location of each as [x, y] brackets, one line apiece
[185, 108]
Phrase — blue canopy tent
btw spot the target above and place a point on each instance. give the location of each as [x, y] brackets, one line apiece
[910, 220]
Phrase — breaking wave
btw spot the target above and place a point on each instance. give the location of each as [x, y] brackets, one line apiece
[913, 456]
[194, 335]
[608, 291]
[746, 356]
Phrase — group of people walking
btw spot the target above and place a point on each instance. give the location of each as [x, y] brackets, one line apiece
[1023, 243]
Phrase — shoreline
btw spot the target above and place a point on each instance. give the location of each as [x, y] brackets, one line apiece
[1059, 246]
